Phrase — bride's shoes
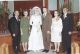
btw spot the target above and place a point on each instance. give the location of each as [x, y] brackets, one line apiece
[36, 50]
[54, 50]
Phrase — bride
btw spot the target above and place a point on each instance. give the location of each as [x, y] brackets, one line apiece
[36, 39]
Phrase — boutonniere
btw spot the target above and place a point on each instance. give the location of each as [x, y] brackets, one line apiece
[65, 15]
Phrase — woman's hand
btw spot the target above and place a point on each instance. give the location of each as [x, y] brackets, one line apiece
[21, 32]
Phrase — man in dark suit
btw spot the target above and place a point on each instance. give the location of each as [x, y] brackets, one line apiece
[67, 28]
[14, 27]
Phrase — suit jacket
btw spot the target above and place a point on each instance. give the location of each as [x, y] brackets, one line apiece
[14, 26]
[46, 23]
[67, 23]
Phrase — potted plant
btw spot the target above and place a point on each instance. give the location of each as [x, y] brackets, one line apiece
[4, 13]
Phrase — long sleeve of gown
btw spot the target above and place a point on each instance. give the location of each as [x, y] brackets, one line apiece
[31, 20]
[40, 21]
[51, 25]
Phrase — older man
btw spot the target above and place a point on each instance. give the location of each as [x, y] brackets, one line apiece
[14, 27]
[67, 28]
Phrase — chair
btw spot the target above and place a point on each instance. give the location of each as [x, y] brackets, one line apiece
[75, 48]
[4, 49]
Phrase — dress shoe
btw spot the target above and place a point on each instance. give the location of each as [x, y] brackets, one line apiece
[45, 50]
[25, 51]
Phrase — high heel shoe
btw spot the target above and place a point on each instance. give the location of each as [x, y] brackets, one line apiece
[25, 51]
[57, 51]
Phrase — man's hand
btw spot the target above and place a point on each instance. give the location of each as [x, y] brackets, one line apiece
[70, 33]
[48, 32]
[13, 35]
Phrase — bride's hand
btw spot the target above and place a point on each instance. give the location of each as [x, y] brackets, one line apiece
[38, 29]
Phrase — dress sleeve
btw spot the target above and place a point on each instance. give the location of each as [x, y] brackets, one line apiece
[40, 21]
[51, 25]
[31, 20]
[61, 25]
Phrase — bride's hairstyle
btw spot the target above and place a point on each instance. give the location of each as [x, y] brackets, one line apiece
[36, 8]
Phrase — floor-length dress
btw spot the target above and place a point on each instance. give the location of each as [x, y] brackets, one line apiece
[56, 29]
[35, 38]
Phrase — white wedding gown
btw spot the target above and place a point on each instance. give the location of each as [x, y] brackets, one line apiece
[36, 39]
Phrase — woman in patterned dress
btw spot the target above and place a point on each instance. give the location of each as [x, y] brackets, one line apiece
[24, 30]
[56, 30]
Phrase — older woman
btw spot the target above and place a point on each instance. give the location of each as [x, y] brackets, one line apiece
[56, 30]
[36, 39]
[24, 30]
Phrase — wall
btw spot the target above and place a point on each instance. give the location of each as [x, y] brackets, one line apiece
[79, 5]
[52, 5]
[27, 4]
[75, 6]
[16, 5]
[76, 11]
[11, 7]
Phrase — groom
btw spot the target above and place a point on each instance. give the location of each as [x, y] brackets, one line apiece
[46, 25]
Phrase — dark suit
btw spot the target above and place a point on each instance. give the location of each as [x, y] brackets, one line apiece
[67, 27]
[14, 27]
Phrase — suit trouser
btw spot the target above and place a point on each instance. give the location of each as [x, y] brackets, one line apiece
[46, 40]
[16, 43]
[66, 39]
